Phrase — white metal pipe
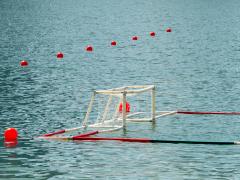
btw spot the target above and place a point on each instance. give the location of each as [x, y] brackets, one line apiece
[89, 110]
[139, 86]
[139, 119]
[153, 111]
[124, 109]
[166, 114]
[117, 91]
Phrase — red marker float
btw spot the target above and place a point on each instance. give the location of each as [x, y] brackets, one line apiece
[152, 34]
[89, 48]
[23, 63]
[10, 134]
[59, 55]
[134, 38]
[113, 43]
[121, 107]
[168, 30]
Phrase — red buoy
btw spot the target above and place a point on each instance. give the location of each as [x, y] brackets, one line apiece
[10, 134]
[24, 63]
[127, 107]
[113, 43]
[152, 34]
[168, 30]
[134, 38]
[89, 48]
[59, 55]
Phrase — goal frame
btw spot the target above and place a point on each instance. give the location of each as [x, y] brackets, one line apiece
[123, 93]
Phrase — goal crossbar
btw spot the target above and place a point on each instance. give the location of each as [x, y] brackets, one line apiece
[126, 89]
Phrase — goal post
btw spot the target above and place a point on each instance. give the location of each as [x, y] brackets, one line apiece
[153, 94]
[119, 105]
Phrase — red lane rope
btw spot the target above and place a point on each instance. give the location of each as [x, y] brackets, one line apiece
[146, 140]
[54, 133]
[217, 113]
[85, 134]
[142, 140]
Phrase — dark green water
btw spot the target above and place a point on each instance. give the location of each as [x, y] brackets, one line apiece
[195, 67]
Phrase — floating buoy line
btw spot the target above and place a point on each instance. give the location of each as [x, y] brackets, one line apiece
[146, 140]
[89, 48]
[87, 137]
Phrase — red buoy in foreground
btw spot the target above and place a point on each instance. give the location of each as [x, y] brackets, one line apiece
[113, 43]
[59, 55]
[152, 34]
[23, 63]
[134, 38]
[10, 134]
[168, 30]
[121, 107]
[89, 48]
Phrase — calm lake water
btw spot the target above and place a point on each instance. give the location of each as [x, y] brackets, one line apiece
[195, 67]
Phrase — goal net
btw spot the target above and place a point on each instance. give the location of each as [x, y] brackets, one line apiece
[111, 109]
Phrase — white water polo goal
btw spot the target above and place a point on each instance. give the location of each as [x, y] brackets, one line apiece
[113, 108]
